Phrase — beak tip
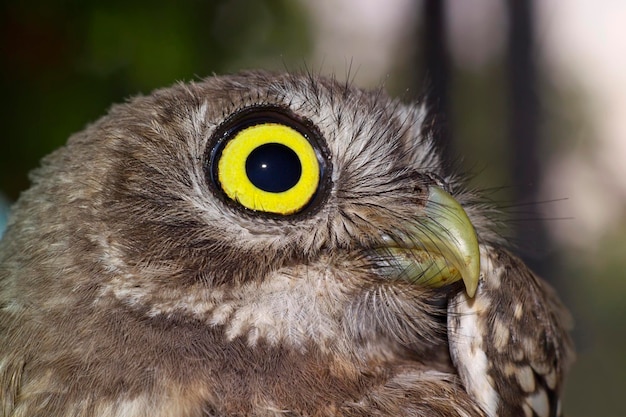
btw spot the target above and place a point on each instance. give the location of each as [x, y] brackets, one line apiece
[470, 289]
[471, 277]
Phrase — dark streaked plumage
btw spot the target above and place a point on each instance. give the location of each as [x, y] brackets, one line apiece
[131, 284]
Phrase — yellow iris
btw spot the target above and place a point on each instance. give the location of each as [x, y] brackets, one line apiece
[287, 160]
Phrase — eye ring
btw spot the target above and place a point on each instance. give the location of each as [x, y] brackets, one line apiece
[267, 161]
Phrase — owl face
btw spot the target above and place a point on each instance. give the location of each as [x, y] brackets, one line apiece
[255, 201]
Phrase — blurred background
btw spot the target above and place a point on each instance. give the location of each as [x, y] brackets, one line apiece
[532, 97]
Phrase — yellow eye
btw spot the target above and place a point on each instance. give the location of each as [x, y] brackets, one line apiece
[269, 167]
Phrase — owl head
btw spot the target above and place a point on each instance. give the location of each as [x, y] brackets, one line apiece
[259, 243]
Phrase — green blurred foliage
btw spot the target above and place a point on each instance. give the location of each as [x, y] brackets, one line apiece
[66, 62]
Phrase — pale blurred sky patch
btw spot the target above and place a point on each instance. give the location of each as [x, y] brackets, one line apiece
[583, 46]
[476, 32]
[363, 33]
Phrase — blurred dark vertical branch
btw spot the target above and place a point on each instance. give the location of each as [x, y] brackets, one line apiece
[524, 133]
[437, 62]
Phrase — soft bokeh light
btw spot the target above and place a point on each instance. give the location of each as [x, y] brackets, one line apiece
[584, 47]
[4, 213]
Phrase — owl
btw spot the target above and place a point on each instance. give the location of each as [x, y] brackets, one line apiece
[267, 245]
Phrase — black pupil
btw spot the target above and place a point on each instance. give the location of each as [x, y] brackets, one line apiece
[273, 167]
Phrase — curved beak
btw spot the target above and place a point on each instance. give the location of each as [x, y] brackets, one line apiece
[440, 248]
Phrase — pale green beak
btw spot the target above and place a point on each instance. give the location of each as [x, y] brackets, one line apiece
[439, 249]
